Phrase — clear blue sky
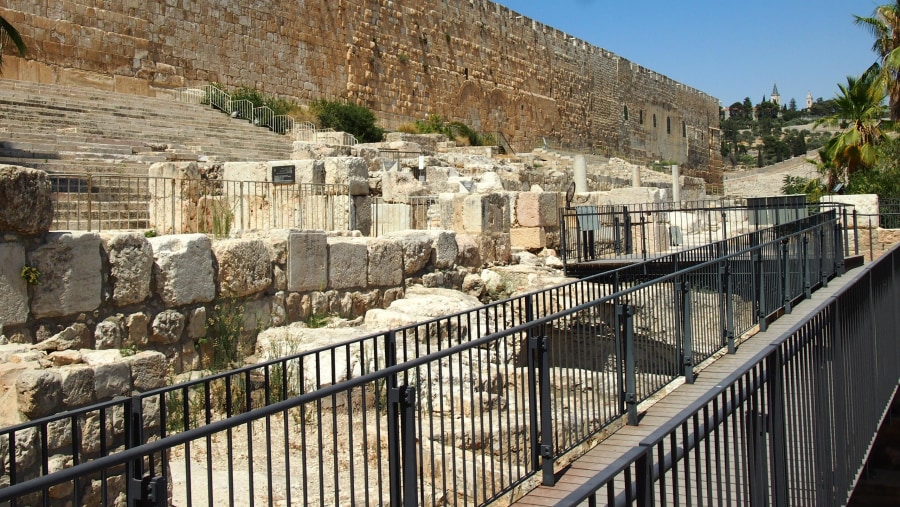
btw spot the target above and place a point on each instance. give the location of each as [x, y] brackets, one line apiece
[726, 48]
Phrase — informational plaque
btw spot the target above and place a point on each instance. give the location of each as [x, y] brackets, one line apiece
[282, 174]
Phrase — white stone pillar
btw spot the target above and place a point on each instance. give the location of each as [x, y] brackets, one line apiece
[676, 184]
[635, 176]
[580, 174]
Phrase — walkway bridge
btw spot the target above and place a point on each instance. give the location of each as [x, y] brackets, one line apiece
[483, 406]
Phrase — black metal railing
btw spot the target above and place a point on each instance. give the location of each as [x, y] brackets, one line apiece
[792, 427]
[643, 231]
[459, 409]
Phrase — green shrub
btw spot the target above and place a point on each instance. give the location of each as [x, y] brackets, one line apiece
[348, 117]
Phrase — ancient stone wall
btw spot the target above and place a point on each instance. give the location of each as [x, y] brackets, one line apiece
[477, 62]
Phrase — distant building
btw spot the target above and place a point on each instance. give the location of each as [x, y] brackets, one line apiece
[776, 97]
[809, 101]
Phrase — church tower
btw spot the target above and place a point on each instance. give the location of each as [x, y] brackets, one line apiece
[809, 101]
[776, 98]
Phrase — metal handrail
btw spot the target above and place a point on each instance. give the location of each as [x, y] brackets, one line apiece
[776, 252]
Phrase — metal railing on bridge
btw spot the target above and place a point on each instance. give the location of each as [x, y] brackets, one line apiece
[460, 409]
[792, 427]
[591, 234]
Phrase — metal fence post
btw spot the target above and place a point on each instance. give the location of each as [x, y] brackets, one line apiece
[687, 340]
[807, 283]
[776, 423]
[760, 283]
[644, 479]
[839, 248]
[823, 276]
[625, 314]
[643, 237]
[629, 240]
[617, 236]
[141, 490]
[540, 413]
[402, 436]
[785, 276]
[726, 305]
[855, 234]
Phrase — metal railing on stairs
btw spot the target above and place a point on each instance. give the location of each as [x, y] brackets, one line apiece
[459, 409]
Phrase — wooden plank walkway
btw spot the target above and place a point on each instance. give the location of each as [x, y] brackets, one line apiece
[628, 437]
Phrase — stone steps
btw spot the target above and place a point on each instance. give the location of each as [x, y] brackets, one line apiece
[85, 126]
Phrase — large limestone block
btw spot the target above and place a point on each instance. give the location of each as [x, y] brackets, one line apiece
[475, 213]
[310, 171]
[537, 209]
[417, 247]
[183, 269]
[38, 393]
[307, 261]
[130, 267]
[350, 171]
[385, 262]
[25, 201]
[312, 150]
[77, 382]
[70, 280]
[348, 260]
[529, 238]
[444, 248]
[244, 267]
[495, 248]
[13, 289]
[148, 370]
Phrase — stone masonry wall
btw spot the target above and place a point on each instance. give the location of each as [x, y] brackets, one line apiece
[476, 62]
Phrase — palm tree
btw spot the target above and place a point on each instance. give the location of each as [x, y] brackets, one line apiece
[8, 33]
[859, 111]
[884, 25]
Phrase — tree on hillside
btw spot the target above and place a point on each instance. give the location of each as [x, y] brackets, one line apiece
[884, 25]
[859, 110]
[8, 33]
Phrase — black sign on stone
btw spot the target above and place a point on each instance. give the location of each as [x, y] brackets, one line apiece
[282, 174]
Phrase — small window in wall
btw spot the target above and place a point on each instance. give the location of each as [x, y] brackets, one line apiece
[668, 125]
[654, 120]
[641, 117]
[626, 113]
[683, 129]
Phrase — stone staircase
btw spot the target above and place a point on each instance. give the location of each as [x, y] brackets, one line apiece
[109, 141]
[64, 129]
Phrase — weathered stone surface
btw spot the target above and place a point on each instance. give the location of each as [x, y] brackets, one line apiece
[529, 238]
[112, 379]
[445, 249]
[77, 383]
[110, 333]
[347, 262]
[38, 392]
[307, 261]
[196, 323]
[244, 267]
[148, 370]
[167, 327]
[350, 171]
[385, 262]
[417, 247]
[13, 289]
[469, 254]
[537, 209]
[183, 269]
[131, 267]
[398, 186]
[137, 324]
[76, 336]
[70, 282]
[25, 203]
